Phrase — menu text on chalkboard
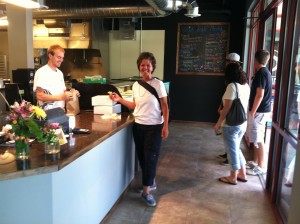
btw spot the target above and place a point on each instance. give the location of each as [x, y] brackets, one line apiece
[202, 48]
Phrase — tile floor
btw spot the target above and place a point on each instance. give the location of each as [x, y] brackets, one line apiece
[188, 188]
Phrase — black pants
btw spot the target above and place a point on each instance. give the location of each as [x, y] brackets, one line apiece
[147, 140]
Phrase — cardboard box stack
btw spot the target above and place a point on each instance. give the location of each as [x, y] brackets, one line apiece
[104, 105]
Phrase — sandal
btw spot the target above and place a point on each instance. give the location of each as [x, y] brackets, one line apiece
[226, 180]
[242, 180]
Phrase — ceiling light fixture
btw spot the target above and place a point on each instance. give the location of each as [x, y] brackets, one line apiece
[28, 4]
[192, 9]
[193, 12]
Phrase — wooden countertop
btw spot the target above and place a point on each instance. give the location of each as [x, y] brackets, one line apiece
[77, 145]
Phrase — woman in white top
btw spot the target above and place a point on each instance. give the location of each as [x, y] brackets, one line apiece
[151, 122]
[233, 134]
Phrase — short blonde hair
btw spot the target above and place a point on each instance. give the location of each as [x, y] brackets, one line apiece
[53, 48]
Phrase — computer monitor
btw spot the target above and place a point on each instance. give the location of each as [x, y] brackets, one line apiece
[12, 93]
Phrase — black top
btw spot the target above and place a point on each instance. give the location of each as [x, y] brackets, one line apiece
[262, 79]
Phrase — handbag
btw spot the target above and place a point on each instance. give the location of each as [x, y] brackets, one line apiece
[236, 115]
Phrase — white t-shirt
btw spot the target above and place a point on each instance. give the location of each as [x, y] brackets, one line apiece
[244, 94]
[147, 110]
[52, 82]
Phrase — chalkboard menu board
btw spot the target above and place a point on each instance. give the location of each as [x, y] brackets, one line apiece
[202, 48]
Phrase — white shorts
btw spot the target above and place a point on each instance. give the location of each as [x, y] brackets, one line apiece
[256, 128]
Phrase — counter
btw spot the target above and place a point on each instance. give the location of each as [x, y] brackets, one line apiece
[80, 185]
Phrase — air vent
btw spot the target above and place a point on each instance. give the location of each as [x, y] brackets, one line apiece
[57, 23]
[58, 32]
[126, 29]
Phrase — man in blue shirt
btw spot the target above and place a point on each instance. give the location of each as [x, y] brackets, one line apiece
[259, 111]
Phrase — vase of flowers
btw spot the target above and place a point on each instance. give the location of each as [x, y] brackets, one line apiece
[24, 126]
[51, 132]
[52, 147]
[22, 148]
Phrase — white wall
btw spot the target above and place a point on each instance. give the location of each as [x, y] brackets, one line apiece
[4, 51]
[20, 40]
[124, 53]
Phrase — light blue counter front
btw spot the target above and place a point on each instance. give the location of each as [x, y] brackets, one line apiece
[82, 192]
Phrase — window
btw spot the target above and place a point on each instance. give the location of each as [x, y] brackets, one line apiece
[266, 3]
[289, 148]
[294, 96]
[285, 183]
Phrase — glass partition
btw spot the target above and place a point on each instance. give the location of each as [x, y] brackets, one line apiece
[292, 124]
[289, 148]
[285, 183]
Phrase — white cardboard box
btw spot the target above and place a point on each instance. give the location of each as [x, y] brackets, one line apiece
[102, 100]
[107, 109]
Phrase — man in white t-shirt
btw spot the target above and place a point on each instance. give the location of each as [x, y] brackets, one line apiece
[49, 84]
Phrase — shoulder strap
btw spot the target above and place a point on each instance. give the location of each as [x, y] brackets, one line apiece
[237, 91]
[150, 88]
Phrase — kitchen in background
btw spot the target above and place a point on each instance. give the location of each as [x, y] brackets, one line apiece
[80, 60]
[77, 64]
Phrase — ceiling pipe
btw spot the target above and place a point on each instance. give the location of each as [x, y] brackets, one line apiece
[87, 13]
[83, 10]
[90, 9]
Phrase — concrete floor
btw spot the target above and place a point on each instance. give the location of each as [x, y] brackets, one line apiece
[188, 188]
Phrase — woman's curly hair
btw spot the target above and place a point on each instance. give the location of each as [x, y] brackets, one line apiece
[146, 56]
[234, 73]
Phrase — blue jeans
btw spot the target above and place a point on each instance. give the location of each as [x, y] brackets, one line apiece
[232, 137]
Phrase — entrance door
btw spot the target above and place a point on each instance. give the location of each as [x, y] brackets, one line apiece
[266, 30]
[271, 43]
[285, 135]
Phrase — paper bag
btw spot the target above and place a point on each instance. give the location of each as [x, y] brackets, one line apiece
[72, 106]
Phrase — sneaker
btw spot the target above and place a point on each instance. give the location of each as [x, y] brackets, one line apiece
[255, 171]
[152, 188]
[288, 184]
[251, 165]
[225, 163]
[149, 199]
[222, 156]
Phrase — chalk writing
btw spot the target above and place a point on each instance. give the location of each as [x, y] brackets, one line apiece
[202, 48]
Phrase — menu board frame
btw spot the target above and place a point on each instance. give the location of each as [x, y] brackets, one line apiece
[202, 48]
